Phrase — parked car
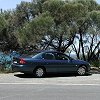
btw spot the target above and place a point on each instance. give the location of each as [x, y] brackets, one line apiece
[50, 62]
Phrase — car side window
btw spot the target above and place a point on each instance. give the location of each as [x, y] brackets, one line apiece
[49, 56]
[60, 56]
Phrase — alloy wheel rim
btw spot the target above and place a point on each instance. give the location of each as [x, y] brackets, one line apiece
[39, 72]
[81, 71]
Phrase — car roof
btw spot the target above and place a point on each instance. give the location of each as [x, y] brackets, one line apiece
[51, 51]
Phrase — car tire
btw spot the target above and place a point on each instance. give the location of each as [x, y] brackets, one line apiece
[81, 70]
[39, 72]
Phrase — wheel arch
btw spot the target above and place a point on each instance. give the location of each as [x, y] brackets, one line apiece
[83, 65]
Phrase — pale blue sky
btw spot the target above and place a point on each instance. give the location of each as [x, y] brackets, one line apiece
[98, 1]
[11, 4]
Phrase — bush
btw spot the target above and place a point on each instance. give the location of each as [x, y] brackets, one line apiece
[5, 68]
[5, 63]
[95, 63]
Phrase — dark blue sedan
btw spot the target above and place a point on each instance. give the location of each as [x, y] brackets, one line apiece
[50, 62]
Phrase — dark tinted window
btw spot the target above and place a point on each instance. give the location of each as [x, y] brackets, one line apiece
[60, 56]
[48, 56]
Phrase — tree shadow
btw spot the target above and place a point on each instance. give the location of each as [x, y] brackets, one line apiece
[22, 75]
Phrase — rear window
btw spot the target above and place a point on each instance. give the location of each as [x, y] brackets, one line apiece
[37, 56]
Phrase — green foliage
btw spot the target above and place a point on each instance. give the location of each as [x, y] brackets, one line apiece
[95, 17]
[95, 63]
[23, 11]
[42, 25]
[90, 4]
[3, 23]
[74, 11]
[52, 6]
[59, 20]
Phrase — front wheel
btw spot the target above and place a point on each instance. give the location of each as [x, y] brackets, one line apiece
[81, 70]
[39, 72]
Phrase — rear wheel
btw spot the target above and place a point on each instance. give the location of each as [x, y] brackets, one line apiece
[81, 70]
[39, 72]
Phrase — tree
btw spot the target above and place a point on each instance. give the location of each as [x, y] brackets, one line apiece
[53, 24]
[88, 36]
[65, 16]
[23, 12]
[3, 31]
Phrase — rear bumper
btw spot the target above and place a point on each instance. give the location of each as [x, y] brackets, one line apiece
[17, 68]
[21, 68]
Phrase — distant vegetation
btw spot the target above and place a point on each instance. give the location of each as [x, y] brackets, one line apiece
[66, 26]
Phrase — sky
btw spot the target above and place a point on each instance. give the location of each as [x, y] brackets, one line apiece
[11, 4]
[98, 1]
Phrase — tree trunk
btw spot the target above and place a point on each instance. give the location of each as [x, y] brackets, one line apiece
[81, 43]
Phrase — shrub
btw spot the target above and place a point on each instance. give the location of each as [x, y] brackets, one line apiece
[95, 63]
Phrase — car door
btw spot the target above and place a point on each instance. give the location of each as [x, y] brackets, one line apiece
[50, 62]
[65, 64]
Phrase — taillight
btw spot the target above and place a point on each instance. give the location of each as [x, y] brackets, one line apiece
[21, 61]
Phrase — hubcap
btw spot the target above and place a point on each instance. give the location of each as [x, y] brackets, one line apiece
[81, 71]
[39, 72]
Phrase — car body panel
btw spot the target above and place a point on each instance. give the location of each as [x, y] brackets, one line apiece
[51, 65]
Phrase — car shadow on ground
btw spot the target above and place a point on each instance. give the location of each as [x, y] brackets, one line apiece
[21, 75]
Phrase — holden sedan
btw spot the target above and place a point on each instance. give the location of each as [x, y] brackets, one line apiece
[50, 62]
